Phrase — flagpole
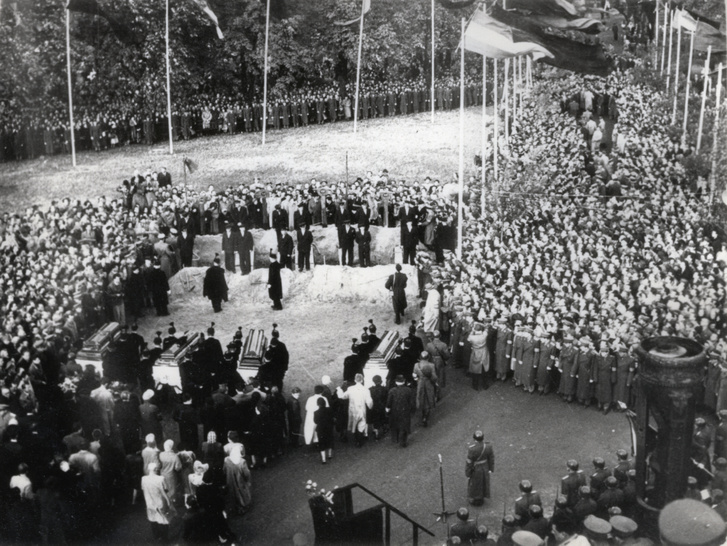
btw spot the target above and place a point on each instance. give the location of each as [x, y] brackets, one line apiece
[656, 34]
[663, 41]
[496, 126]
[169, 89]
[514, 95]
[506, 98]
[671, 41]
[432, 89]
[265, 74]
[715, 131]
[484, 132]
[676, 74]
[70, 87]
[689, 81]
[460, 210]
[358, 65]
[704, 99]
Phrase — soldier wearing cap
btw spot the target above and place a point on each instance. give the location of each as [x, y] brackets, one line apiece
[465, 529]
[622, 529]
[720, 436]
[538, 524]
[527, 499]
[597, 530]
[479, 465]
[701, 442]
[719, 504]
[719, 480]
[620, 471]
[585, 506]
[572, 482]
[612, 496]
[598, 478]
[509, 527]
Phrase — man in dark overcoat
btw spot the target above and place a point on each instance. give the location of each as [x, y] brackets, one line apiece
[396, 283]
[215, 285]
[400, 405]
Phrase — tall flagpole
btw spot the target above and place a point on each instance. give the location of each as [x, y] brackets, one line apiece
[663, 39]
[460, 209]
[656, 34]
[169, 89]
[668, 62]
[70, 87]
[358, 64]
[484, 131]
[715, 131]
[676, 71]
[704, 98]
[506, 98]
[432, 89]
[689, 81]
[496, 126]
[265, 74]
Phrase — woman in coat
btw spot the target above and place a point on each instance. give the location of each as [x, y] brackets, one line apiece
[237, 478]
[426, 387]
[171, 465]
[479, 363]
[311, 406]
[323, 419]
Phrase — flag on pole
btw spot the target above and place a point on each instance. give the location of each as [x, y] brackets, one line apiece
[686, 21]
[120, 28]
[366, 8]
[456, 5]
[190, 165]
[582, 24]
[708, 37]
[211, 14]
[490, 38]
[569, 54]
[553, 8]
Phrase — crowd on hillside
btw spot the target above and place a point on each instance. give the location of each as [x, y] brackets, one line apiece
[610, 247]
[31, 135]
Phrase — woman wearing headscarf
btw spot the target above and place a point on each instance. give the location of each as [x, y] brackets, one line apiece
[196, 478]
[237, 479]
[170, 466]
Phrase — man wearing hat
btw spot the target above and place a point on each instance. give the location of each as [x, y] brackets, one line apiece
[719, 480]
[526, 538]
[585, 506]
[275, 283]
[571, 483]
[527, 498]
[701, 442]
[215, 285]
[597, 530]
[464, 529]
[620, 471]
[623, 529]
[720, 436]
[612, 496]
[598, 478]
[479, 465]
[396, 284]
[400, 406]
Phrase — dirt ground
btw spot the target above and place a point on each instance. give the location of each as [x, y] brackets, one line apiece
[532, 435]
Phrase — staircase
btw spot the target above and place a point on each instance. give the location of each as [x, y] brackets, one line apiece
[340, 524]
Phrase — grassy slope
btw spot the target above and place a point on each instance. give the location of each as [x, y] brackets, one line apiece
[409, 147]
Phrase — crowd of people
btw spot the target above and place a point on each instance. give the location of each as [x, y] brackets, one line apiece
[552, 291]
[609, 246]
[27, 136]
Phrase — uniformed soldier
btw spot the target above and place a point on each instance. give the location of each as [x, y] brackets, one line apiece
[611, 497]
[597, 530]
[701, 442]
[525, 501]
[572, 482]
[537, 524]
[465, 529]
[629, 490]
[585, 506]
[620, 471]
[718, 503]
[720, 436]
[598, 478]
[719, 481]
[622, 529]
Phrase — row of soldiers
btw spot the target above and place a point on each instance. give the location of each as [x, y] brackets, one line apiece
[35, 137]
[539, 361]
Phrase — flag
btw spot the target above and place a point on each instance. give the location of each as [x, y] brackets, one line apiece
[211, 14]
[190, 165]
[553, 8]
[582, 24]
[366, 8]
[490, 38]
[565, 53]
[707, 36]
[120, 28]
[686, 21]
[456, 5]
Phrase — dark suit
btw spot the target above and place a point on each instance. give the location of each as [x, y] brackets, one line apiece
[275, 285]
[186, 248]
[244, 245]
[397, 284]
[409, 241]
[363, 240]
[286, 248]
[305, 242]
[401, 404]
[215, 287]
[158, 285]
